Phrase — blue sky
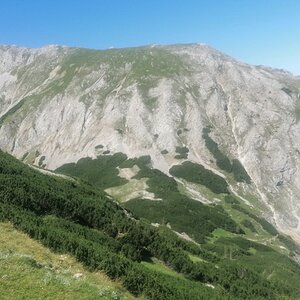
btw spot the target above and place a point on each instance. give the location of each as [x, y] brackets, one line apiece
[255, 31]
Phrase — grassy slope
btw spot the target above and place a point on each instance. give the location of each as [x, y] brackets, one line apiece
[28, 270]
[159, 266]
[236, 266]
[96, 231]
[271, 261]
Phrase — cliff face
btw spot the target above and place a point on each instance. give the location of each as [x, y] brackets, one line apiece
[59, 104]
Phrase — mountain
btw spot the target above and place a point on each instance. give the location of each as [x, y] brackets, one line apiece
[182, 105]
[171, 169]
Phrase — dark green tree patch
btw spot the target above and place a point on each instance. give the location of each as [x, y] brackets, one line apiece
[198, 174]
[222, 161]
[230, 199]
[102, 172]
[248, 224]
[41, 160]
[182, 152]
[239, 172]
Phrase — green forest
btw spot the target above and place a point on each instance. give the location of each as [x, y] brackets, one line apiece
[77, 217]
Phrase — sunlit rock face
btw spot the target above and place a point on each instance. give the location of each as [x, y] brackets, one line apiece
[60, 104]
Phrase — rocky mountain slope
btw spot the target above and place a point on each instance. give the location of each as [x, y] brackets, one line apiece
[60, 104]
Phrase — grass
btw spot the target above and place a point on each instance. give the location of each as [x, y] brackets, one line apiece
[198, 192]
[268, 227]
[256, 232]
[218, 233]
[159, 266]
[28, 270]
[239, 217]
[132, 189]
[195, 259]
[147, 66]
